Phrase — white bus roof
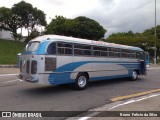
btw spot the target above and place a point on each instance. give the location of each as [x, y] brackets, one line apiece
[83, 41]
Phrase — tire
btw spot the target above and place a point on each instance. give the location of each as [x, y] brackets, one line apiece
[134, 75]
[81, 81]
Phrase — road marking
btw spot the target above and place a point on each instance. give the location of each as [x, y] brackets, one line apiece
[133, 101]
[1, 75]
[122, 104]
[84, 118]
[90, 116]
[13, 80]
[134, 95]
[128, 102]
[154, 68]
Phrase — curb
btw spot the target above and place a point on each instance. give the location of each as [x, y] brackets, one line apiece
[8, 66]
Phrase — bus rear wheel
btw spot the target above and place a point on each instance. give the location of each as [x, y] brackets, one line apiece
[81, 81]
[134, 75]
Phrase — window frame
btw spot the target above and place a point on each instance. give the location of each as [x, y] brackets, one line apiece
[81, 49]
[104, 51]
[65, 48]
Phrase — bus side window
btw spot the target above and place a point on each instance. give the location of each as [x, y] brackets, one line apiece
[142, 55]
[51, 48]
[80, 49]
[100, 51]
[64, 48]
[97, 51]
[138, 55]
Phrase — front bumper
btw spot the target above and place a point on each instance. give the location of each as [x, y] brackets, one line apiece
[28, 78]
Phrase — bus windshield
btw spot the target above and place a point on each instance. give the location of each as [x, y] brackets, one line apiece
[32, 46]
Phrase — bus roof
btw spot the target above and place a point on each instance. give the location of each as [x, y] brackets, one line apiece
[82, 41]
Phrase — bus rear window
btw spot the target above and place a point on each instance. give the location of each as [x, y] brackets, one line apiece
[32, 46]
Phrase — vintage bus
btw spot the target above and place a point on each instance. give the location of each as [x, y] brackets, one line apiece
[54, 59]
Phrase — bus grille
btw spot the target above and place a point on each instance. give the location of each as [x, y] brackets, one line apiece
[28, 66]
[34, 67]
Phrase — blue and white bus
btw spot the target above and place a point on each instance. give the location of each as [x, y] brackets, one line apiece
[54, 59]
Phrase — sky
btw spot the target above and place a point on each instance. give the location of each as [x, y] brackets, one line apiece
[114, 15]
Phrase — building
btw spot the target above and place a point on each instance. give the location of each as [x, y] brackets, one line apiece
[5, 35]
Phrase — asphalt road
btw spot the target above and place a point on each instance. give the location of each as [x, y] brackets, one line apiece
[16, 95]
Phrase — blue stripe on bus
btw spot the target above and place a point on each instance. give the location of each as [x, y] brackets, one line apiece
[42, 48]
[62, 78]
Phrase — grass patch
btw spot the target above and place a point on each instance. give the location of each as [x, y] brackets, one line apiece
[9, 50]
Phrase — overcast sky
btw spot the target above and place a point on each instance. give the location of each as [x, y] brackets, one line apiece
[113, 15]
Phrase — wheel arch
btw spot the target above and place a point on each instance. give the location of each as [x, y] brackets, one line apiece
[74, 75]
[138, 71]
[86, 73]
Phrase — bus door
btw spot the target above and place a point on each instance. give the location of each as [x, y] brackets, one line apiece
[143, 64]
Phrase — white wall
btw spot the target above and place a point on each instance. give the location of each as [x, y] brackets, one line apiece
[5, 35]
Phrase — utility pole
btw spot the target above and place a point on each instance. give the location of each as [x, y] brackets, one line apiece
[155, 48]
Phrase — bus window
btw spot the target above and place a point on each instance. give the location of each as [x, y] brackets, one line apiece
[133, 55]
[138, 55]
[103, 53]
[142, 56]
[52, 48]
[100, 51]
[80, 49]
[123, 55]
[117, 54]
[111, 54]
[32, 46]
[97, 51]
[64, 48]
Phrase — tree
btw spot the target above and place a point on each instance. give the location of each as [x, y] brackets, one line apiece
[21, 15]
[59, 26]
[10, 21]
[81, 27]
[151, 31]
[31, 17]
[144, 40]
[88, 28]
[23, 9]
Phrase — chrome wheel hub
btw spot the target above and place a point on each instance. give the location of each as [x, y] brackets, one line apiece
[82, 81]
[134, 75]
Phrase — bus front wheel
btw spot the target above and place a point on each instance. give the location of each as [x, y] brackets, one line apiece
[81, 81]
[134, 76]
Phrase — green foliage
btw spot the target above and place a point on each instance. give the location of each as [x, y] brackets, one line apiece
[31, 16]
[81, 27]
[145, 40]
[152, 31]
[88, 28]
[10, 21]
[34, 34]
[9, 51]
[60, 25]
[21, 15]
[23, 9]
[39, 17]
